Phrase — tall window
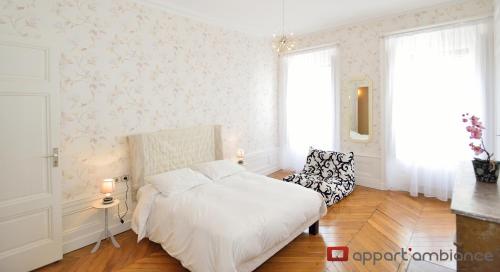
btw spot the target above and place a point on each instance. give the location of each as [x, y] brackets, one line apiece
[433, 77]
[308, 105]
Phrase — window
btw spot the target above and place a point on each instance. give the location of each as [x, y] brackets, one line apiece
[433, 77]
[307, 105]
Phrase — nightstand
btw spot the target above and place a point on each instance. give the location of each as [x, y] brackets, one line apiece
[106, 233]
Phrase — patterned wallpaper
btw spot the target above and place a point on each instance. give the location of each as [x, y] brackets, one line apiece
[127, 68]
[360, 48]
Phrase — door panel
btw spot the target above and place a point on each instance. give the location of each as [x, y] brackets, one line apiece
[16, 55]
[23, 121]
[30, 194]
[35, 225]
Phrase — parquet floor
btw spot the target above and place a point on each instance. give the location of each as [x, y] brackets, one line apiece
[367, 220]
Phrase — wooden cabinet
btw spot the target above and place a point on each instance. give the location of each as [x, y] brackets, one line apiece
[480, 238]
[477, 206]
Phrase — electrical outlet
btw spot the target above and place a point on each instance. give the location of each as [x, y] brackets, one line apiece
[125, 178]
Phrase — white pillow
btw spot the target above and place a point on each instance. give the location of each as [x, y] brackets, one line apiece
[177, 181]
[216, 170]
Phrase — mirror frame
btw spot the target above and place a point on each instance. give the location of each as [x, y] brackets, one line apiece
[356, 83]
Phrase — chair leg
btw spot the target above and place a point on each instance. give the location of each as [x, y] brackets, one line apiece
[314, 228]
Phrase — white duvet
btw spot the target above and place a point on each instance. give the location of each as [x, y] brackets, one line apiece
[220, 225]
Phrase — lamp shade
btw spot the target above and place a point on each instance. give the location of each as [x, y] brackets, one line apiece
[107, 186]
[240, 153]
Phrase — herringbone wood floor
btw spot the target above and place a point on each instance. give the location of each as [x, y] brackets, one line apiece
[367, 220]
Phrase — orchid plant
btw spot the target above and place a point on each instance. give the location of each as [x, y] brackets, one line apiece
[475, 128]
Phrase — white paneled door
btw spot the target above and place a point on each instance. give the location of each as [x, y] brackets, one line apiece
[30, 192]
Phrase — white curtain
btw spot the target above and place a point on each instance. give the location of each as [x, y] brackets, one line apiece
[432, 78]
[308, 105]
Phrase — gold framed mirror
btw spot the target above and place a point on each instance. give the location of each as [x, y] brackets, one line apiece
[360, 110]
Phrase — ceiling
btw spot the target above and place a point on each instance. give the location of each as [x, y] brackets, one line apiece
[263, 17]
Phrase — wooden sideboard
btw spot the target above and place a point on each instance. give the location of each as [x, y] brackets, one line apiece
[477, 206]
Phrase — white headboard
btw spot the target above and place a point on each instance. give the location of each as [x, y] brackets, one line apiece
[162, 151]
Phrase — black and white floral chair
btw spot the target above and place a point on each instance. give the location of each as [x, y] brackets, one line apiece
[329, 173]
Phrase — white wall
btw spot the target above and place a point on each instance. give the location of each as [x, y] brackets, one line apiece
[360, 52]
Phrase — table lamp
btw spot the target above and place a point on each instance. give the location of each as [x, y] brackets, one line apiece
[107, 187]
[240, 155]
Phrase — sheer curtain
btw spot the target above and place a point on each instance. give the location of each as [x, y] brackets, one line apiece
[308, 105]
[433, 77]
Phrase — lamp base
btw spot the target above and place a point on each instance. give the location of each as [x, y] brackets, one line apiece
[107, 200]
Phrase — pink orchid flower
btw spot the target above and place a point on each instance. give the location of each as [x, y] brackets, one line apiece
[475, 129]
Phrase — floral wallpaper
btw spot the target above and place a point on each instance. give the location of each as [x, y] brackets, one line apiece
[360, 53]
[127, 68]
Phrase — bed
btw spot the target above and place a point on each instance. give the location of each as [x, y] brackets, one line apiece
[234, 224]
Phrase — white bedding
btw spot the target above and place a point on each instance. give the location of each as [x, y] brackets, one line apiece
[222, 225]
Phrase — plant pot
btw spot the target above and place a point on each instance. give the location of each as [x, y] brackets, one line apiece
[484, 172]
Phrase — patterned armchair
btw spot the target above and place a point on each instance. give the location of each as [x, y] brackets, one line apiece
[327, 172]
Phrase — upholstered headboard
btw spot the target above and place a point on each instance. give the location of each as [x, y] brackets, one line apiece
[162, 151]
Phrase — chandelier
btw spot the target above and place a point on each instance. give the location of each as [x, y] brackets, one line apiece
[283, 43]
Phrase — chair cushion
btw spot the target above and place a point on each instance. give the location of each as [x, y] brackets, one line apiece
[331, 189]
[328, 164]
[304, 180]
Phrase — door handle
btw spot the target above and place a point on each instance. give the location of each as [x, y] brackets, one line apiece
[54, 156]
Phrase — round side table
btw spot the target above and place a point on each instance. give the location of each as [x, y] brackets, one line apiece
[106, 233]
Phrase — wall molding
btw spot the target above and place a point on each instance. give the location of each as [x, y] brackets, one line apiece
[90, 237]
[263, 162]
[196, 16]
[370, 182]
[83, 224]
[368, 171]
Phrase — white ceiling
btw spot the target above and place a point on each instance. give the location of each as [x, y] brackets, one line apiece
[263, 17]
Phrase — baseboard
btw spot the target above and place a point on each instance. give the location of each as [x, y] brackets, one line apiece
[370, 182]
[263, 162]
[82, 224]
[269, 170]
[368, 171]
[91, 237]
